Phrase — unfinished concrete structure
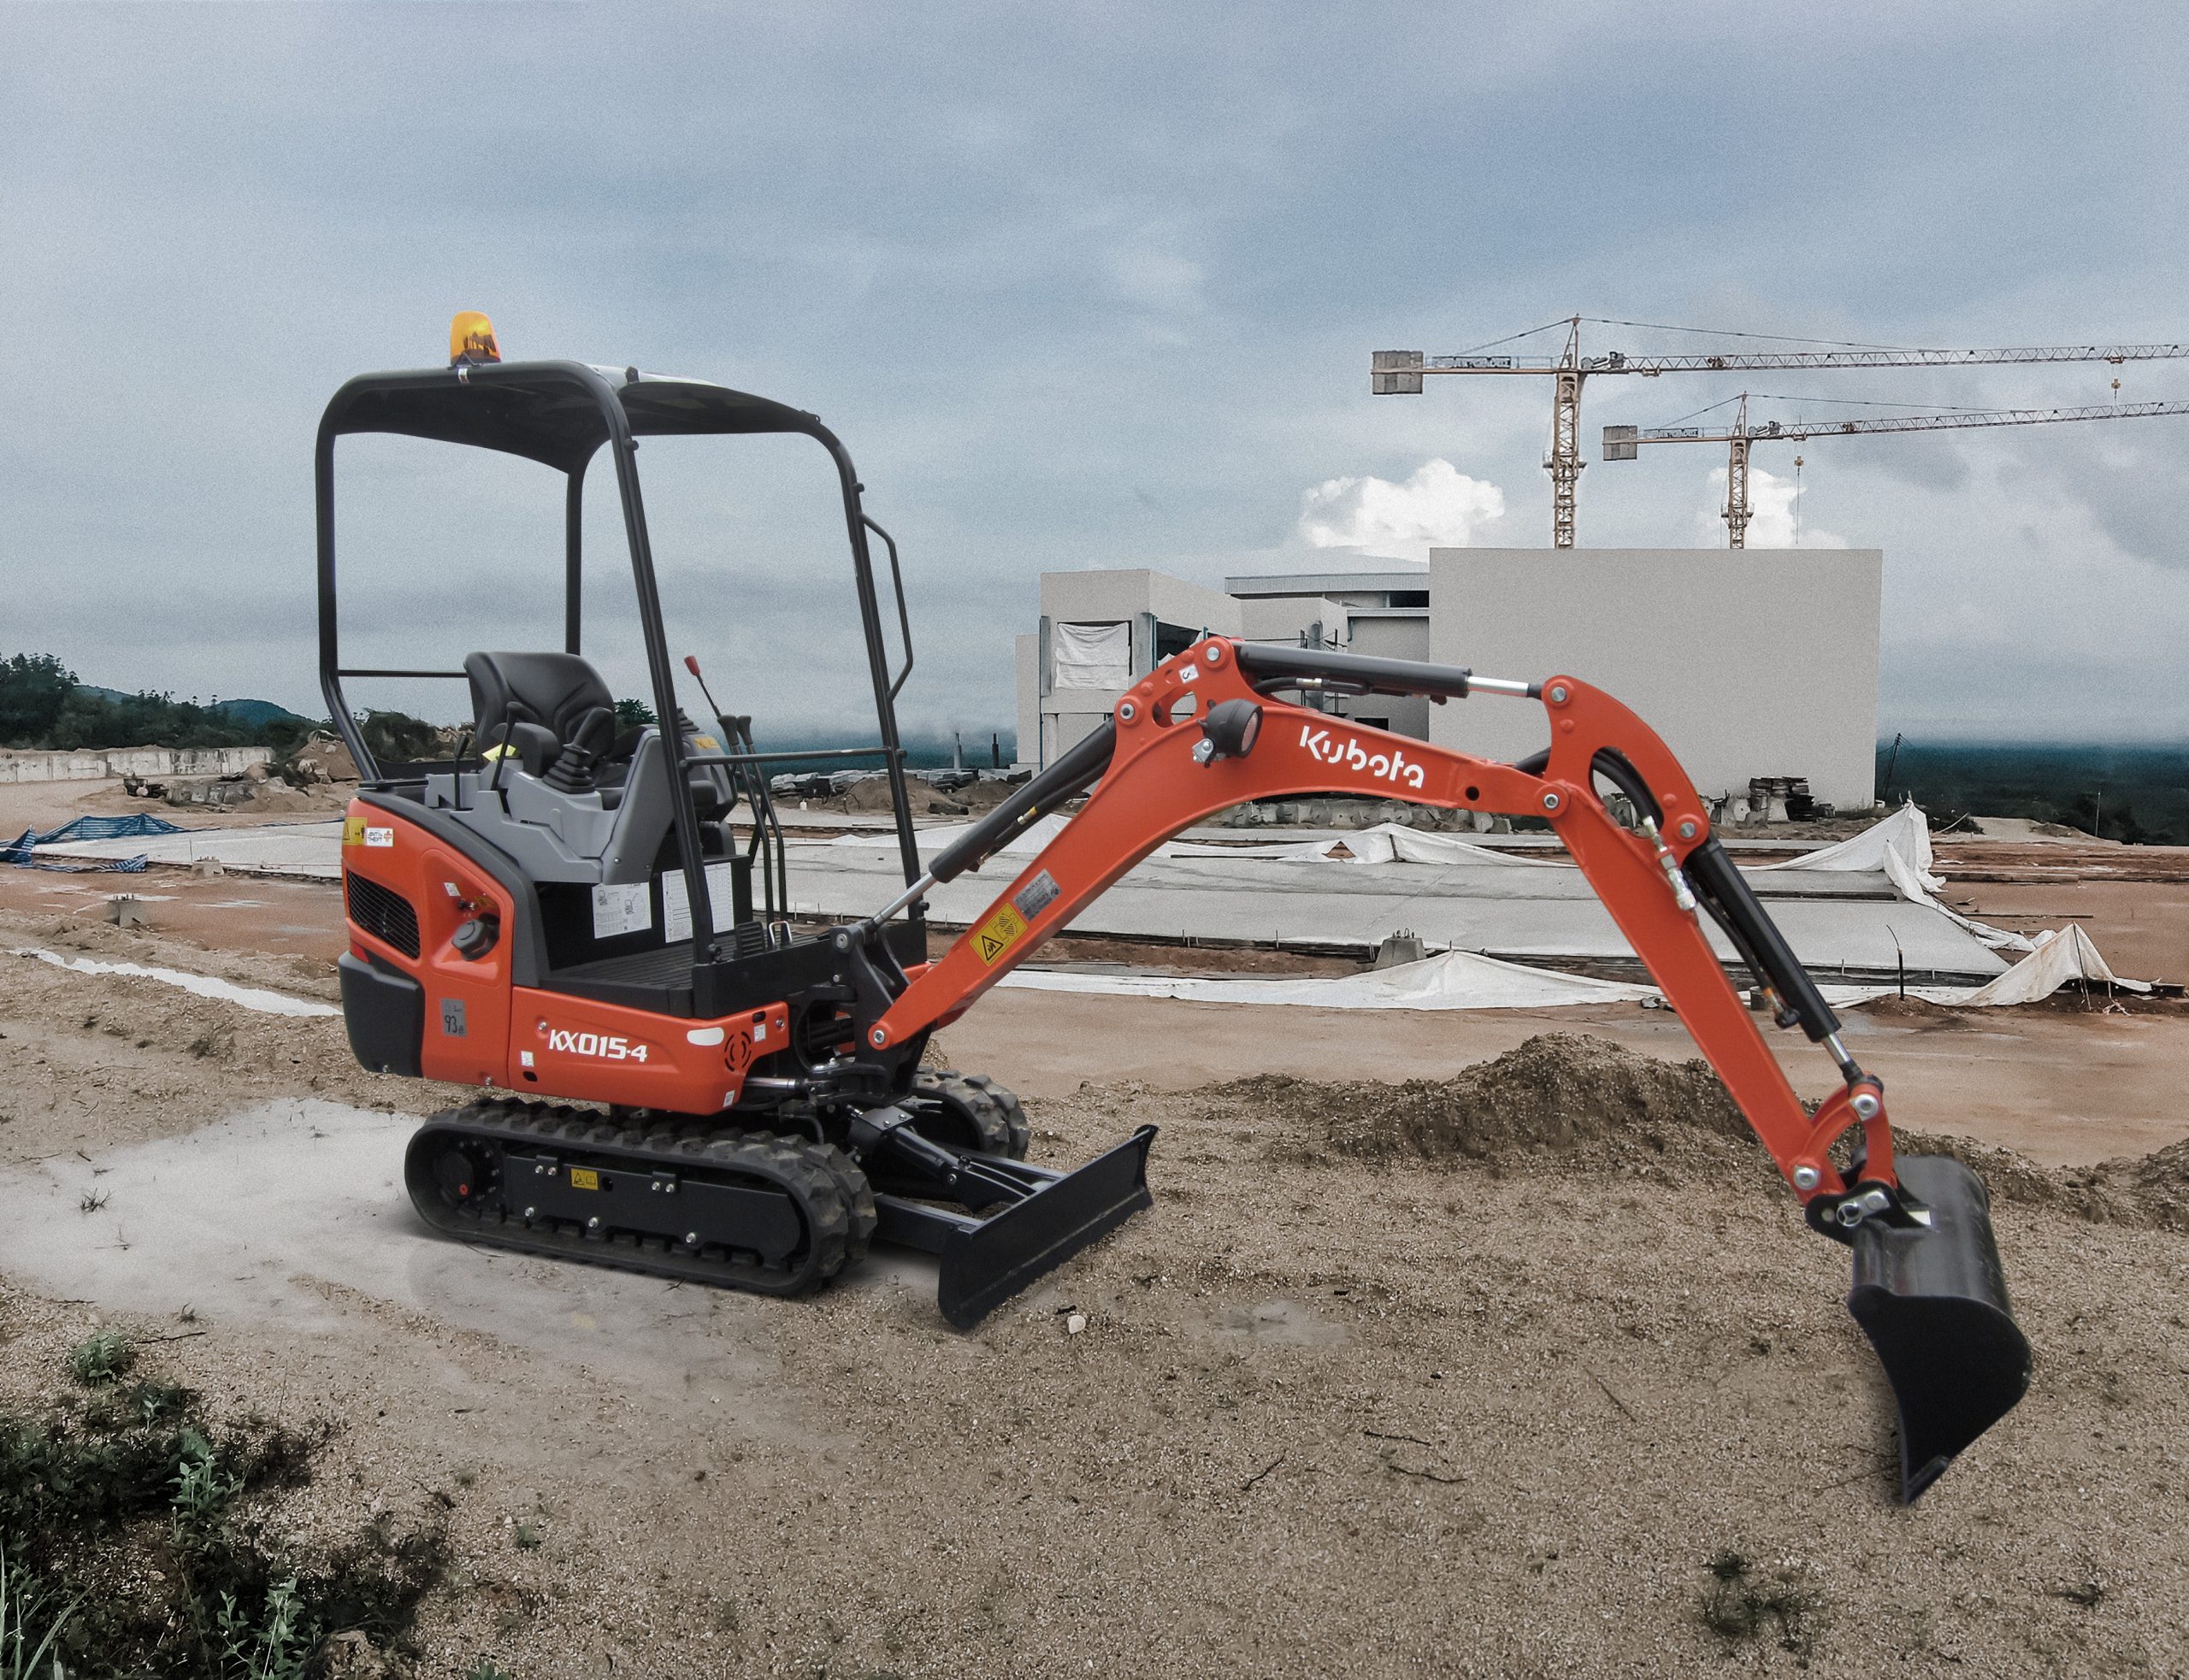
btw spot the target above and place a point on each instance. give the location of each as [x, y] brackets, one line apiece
[1756, 662]
[1753, 662]
[1099, 632]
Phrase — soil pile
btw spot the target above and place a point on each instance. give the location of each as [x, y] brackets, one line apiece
[1570, 1094]
[2147, 1191]
[1557, 1092]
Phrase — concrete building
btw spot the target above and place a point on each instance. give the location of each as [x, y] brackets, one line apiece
[1749, 662]
[1753, 661]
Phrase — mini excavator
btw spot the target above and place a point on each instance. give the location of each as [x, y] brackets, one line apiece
[678, 1079]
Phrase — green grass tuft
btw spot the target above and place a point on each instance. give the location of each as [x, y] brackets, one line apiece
[104, 1357]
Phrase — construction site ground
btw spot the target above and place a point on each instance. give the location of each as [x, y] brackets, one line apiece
[1481, 1378]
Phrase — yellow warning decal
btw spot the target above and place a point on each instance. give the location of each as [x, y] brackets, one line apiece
[706, 743]
[999, 934]
[584, 1178]
[353, 831]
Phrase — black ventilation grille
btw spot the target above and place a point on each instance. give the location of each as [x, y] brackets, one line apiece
[384, 914]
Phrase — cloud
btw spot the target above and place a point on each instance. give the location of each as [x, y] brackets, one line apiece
[1152, 277]
[1439, 507]
[1772, 513]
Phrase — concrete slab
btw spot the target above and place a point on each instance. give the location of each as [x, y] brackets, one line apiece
[313, 849]
[1850, 922]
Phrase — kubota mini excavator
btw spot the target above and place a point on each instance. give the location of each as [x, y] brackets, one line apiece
[681, 1082]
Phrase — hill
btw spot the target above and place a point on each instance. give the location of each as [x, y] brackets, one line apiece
[251, 714]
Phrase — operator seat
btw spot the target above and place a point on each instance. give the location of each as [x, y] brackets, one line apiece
[541, 705]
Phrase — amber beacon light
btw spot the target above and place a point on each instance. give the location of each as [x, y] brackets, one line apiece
[471, 339]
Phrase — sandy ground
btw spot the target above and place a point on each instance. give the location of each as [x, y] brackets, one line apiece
[1329, 1414]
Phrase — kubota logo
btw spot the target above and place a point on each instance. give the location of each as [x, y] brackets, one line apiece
[1391, 766]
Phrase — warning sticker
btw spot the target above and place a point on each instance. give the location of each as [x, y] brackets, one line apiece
[584, 1178]
[380, 837]
[999, 934]
[353, 831]
[1037, 895]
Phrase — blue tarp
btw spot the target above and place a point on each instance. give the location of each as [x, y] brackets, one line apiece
[139, 823]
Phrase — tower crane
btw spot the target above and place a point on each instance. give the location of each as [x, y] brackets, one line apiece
[1400, 372]
[1622, 443]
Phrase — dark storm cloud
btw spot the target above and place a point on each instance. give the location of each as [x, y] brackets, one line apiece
[1078, 285]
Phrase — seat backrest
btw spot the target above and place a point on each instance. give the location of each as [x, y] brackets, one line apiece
[555, 690]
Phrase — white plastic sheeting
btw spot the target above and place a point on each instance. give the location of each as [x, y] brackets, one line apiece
[1455, 980]
[1385, 843]
[1904, 834]
[1465, 979]
[1090, 656]
[2060, 959]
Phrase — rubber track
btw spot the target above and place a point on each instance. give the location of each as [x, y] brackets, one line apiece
[997, 1119]
[833, 1198]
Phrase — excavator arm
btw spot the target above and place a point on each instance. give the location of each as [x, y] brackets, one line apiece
[1206, 731]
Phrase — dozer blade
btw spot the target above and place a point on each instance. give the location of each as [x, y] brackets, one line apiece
[1932, 1299]
[987, 1262]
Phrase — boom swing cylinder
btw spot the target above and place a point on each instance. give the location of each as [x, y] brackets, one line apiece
[1207, 730]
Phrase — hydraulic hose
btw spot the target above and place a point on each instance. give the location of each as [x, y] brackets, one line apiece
[1072, 774]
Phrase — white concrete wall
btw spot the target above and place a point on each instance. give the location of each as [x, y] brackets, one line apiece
[99, 764]
[1112, 597]
[1027, 650]
[1750, 662]
[1391, 633]
[1061, 731]
[1283, 618]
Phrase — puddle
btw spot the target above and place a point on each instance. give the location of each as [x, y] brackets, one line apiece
[199, 985]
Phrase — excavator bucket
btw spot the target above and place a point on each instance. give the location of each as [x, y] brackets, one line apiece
[1932, 1299]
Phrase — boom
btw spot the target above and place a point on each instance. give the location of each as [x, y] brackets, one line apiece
[1161, 775]
[1205, 731]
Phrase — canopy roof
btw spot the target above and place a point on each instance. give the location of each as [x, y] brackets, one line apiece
[553, 412]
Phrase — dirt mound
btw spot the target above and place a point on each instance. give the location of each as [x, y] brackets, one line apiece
[1566, 1093]
[2149, 1191]
[1557, 1092]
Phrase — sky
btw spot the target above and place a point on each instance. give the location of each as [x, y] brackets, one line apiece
[1078, 285]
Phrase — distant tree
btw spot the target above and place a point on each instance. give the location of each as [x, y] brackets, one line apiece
[34, 689]
[396, 737]
[634, 715]
[2114, 821]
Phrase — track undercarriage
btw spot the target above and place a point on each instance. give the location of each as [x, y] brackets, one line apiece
[775, 1207]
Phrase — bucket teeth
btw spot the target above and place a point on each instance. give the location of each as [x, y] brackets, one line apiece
[1932, 1299]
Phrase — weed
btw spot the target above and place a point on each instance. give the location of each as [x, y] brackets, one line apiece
[203, 1491]
[106, 1357]
[92, 1201]
[729, 1619]
[1739, 1605]
[275, 1645]
[141, 1474]
[528, 1537]
[485, 1669]
[25, 1606]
